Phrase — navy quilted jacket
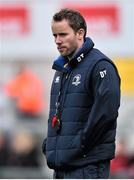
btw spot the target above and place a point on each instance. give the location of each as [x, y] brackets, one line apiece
[85, 95]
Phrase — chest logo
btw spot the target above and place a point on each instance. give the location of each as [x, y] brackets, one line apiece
[57, 79]
[76, 80]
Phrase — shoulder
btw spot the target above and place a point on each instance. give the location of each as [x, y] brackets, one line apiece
[105, 63]
[103, 67]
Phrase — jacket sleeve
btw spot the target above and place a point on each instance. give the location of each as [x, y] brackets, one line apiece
[106, 102]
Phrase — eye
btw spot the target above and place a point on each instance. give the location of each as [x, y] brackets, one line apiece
[55, 35]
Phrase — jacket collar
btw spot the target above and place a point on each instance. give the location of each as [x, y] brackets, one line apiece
[60, 63]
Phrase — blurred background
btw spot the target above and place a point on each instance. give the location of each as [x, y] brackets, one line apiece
[27, 51]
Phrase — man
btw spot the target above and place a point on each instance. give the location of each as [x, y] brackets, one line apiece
[85, 97]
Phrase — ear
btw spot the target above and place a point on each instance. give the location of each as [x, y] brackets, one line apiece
[80, 34]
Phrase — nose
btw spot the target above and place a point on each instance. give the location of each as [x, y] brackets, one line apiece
[58, 40]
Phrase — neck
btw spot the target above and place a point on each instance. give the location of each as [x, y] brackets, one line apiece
[70, 56]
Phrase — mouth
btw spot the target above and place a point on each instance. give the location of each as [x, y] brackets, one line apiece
[61, 48]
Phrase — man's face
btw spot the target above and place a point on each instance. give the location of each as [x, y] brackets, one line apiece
[66, 39]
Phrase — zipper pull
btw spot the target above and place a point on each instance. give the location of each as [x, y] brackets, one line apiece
[56, 124]
[54, 121]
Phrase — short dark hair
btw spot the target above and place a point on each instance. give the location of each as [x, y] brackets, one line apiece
[75, 19]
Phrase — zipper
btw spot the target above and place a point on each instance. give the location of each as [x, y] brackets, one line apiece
[60, 104]
[57, 113]
[64, 92]
[61, 94]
